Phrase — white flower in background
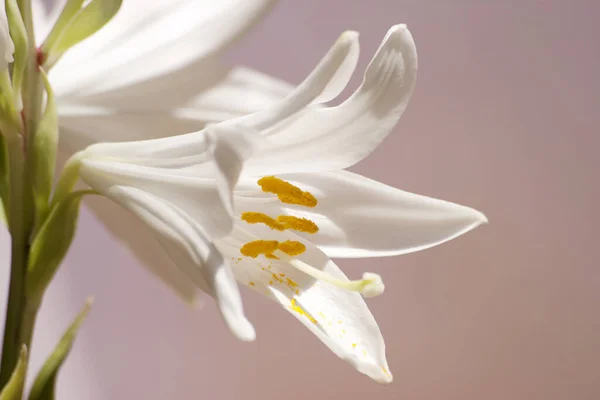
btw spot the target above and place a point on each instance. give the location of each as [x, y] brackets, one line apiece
[7, 47]
[266, 196]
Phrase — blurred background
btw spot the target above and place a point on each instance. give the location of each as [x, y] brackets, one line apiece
[504, 119]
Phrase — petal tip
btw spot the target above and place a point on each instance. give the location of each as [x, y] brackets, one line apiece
[482, 218]
[244, 331]
[382, 375]
[349, 36]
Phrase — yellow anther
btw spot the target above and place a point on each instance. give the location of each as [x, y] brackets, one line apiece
[298, 224]
[292, 248]
[268, 247]
[260, 218]
[282, 222]
[353, 345]
[258, 247]
[298, 308]
[286, 192]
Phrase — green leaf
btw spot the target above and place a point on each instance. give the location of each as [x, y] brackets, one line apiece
[83, 24]
[14, 388]
[18, 33]
[45, 382]
[52, 242]
[43, 158]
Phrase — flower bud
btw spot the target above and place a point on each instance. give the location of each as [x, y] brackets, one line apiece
[7, 47]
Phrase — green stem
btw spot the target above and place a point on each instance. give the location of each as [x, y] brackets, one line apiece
[19, 253]
[20, 314]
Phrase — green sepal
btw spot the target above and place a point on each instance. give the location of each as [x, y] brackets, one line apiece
[43, 158]
[45, 382]
[51, 243]
[18, 33]
[64, 19]
[14, 388]
[87, 21]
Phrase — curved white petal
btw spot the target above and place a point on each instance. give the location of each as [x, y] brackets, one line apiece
[195, 172]
[188, 246]
[360, 217]
[7, 47]
[140, 240]
[141, 43]
[329, 138]
[339, 318]
[324, 83]
[181, 187]
[167, 107]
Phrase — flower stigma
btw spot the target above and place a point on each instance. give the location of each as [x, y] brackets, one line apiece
[370, 285]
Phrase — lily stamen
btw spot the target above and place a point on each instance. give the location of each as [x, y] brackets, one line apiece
[370, 285]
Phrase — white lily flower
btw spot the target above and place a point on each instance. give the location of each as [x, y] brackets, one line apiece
[278, 177]
[7, 47]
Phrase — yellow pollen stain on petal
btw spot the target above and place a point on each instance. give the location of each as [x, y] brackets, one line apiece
[291, 283]
[277, 278]
[286, 192]
[292, 248]
[252, 283]
[297, 224]
[258, 247]
[353, 345]
[385, 371]
[260, 218]
[298, 308]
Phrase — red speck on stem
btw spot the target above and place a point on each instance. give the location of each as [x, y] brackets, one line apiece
[39, 57]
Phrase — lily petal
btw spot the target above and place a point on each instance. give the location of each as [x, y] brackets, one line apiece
[166, 38]
[329, 138]
[133, 234]
[189, 249]
[158, 108]
[339, 318]
[186, 211]
[360, 217]
[324, 83]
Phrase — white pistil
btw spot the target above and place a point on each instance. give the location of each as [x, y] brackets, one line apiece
[370, 285]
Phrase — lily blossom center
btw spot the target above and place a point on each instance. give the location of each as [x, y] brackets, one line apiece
[287, 251]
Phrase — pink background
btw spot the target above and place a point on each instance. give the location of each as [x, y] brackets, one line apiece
[504, 119]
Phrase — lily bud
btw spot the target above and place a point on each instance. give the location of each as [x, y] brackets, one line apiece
[7, 47]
